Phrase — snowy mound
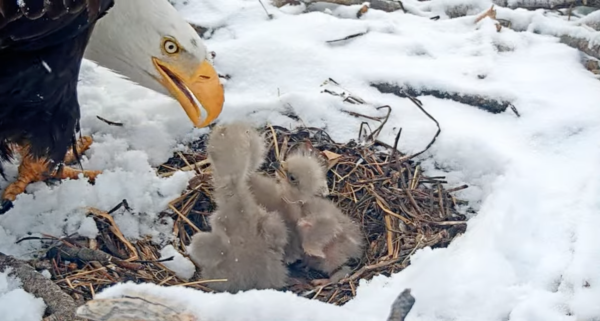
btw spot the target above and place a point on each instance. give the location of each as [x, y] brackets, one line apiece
[528, 254]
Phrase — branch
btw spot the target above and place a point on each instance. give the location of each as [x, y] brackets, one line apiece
[488, 104]
[546, 4]
[60, 305]
[582, 44]
[134, 308]
[388, 6]
[579, 35]
[401, 306]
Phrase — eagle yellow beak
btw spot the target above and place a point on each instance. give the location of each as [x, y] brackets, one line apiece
[199, 93]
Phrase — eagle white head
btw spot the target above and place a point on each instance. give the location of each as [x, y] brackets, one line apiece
[150, 43]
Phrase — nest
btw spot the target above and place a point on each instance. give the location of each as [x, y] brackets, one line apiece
[399, 209]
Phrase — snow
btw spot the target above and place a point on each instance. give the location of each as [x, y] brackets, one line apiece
[183, 267]
[15, 303]
[528, 254]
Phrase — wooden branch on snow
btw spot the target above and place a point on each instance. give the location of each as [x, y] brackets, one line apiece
[134, 308]
[60, 305]
[592, 20]
[383, 5]
[87, 255]
[401, 306]
[582, 44]
[569, 34]
[488, 104]
[546, 4]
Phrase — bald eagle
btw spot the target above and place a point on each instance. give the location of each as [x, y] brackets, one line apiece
[42, 44]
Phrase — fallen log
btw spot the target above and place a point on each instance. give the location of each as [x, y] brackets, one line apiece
[546, 4]
[134, 307]
[388, 6]
[59, 304]
[488, 104]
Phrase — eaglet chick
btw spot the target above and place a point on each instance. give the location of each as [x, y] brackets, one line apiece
[246, 243]
[329, 238]
[286, 198]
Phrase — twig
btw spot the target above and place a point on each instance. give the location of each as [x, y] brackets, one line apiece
[348, 37]
[111, 123]
[88, 255]
[439, 129]
[115, 229]
[122, 204]
[393, 154]
[373, 136]
[267, 12]
[514, 109]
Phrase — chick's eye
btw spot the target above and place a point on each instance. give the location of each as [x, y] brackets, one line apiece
[292, 178]
[170, 47]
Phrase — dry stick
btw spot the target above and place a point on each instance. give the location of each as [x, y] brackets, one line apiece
[393, 155]
[87, 255]
[115, 229]
[390, 235]
[419, 104]
[362, 130]
[514, 109]
[441, 201]
[122, 204]
[459, 188]
[267, 12]
[60, 305]
[385, 120]
[187, 168]
[111, 123]
[183, 217]
[348, 37]
[367, 268]
[276, 143]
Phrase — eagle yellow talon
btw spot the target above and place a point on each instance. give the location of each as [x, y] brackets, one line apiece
[32, 170]
[83, 144]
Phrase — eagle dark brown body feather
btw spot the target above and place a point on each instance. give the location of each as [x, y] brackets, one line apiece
[42, 43]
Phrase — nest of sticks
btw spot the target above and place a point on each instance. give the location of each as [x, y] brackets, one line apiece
[399, 209]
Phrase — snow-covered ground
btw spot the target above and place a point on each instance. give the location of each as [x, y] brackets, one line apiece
[528, 254]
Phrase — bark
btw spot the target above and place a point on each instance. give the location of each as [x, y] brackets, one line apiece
[547, 4]
[59, 304]
[383, 5]
[592, 20]
[134, 308]
[582, 44]
[488, 104]
[401, 306]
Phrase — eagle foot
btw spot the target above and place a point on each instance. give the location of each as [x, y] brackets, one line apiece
[34, 170]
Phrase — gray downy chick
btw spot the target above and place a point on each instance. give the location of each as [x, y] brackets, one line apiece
[246, 243]
[287, 193]
[328, 237]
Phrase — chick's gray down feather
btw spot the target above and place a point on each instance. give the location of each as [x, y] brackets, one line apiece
[246, 244]
[277, 195]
